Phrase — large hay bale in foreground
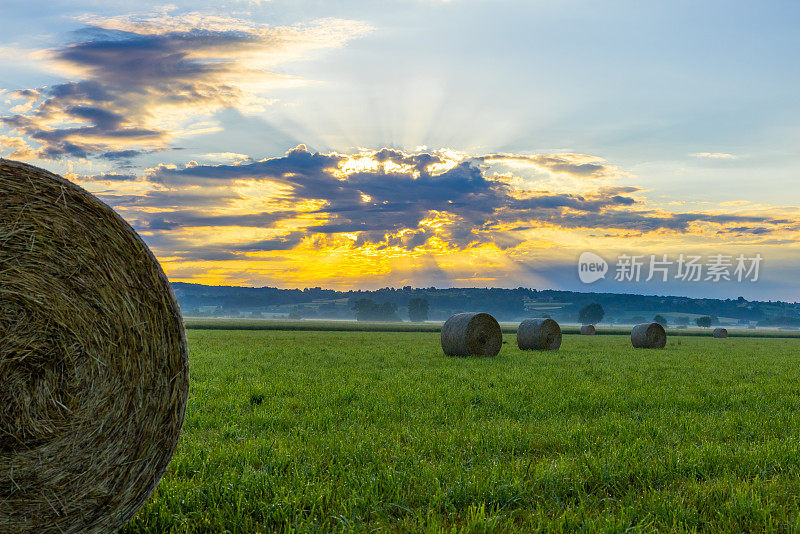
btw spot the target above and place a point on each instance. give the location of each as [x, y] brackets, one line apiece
[539, 334]
[471, 334]
[649, 336]
[93, 360]
[720, 332]
[588, 330]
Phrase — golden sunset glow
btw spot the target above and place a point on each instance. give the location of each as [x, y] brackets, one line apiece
[371, 218]
[213, 145]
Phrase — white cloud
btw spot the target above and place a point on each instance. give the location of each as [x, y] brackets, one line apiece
[144, 80]
[714, 155]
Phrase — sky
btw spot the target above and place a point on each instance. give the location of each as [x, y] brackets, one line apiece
[460, 143]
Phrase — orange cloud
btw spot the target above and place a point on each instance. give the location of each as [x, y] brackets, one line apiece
[143, 81]
[342, 220]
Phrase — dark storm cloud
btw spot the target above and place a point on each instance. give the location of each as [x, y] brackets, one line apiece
[111, 177]
[575, 202]
[117, 155]
[177, 247]
[286, 242]
[84, 91]
[299, 168]
[398, 201]
[99, 107]
[177, 199]
[192, 218]
[388, 207]
[129, 58]
[26, 93]
[646, 221]
[132, 68]
[206, 253]
[420, 162]
[102, 119]
[754, 230]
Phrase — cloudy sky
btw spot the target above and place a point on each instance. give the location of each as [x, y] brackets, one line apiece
[422, 142]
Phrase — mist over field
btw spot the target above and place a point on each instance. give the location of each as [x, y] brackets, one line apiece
[505, 304]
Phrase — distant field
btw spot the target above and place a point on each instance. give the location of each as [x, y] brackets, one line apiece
[351, 326]
[364, 431]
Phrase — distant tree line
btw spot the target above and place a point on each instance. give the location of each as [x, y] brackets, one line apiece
[369, 310]
[504, 304]
[780, 321]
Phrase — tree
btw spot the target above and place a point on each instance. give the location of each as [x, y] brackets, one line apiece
[369, 310]
[704, 321]
[591, 314]
[418, 310]
[682, 320]
[660, 319]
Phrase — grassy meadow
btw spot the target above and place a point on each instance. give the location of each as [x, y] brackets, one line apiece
[320, 431]
[327, 325]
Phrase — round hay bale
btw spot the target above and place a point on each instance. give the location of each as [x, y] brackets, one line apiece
[649, 336]
[93, 360]
[539, 334]
[471, 334]
[588, 330]
[720, 332]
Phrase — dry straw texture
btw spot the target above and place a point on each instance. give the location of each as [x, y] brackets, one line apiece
[588, 330]
[649, 336]
[539, 334]
[93, 360]
[472, 334]
[720, 332]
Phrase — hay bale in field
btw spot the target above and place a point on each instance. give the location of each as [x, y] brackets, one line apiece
[471, 334]
[539, 334]
[588, 330]
[649, 336]
[93, 360]
[720, 332]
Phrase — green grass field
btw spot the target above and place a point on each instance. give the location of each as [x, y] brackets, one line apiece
[313, 325]
[365, 431]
